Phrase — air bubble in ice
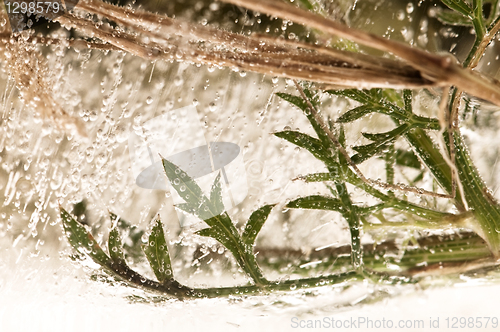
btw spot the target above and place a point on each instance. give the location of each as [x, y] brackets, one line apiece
[410, 8]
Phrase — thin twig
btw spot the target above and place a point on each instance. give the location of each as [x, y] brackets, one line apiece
[444, 122]
[368, 181]
[203, 44]
[274, 58]
[449, 156]
[488, 38]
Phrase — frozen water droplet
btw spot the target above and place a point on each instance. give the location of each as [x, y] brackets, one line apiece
[410, 7]
[178, 81]
[214, 6]
[400, 15]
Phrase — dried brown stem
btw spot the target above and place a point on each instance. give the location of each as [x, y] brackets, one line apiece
[277, 58]
[441, 70]
[484, 44]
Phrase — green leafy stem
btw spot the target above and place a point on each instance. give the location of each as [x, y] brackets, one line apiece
[375, 263]
[221, 228]
[381, 259]
[210, 209]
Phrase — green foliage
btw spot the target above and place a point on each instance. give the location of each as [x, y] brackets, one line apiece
[309, 143]
[82, 240]
[115, 247]
[317, 202]
[454, 18]
[114, 264]
[156, 251]
[459, 6]
[255, 223]
[221, 227]
[381, 142]
[407, 158]
[339, 174]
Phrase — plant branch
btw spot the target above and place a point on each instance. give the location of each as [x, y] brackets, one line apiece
[352, 164]
[425, 69]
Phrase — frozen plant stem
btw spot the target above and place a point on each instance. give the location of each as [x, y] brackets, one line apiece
[354, 222]
[115, 265]
[369, 182]
[484, 206]
[436, 68]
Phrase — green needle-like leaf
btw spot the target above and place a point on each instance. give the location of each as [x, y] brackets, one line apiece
[380, 101]
[156, 251]
[196, 202]
[82, 240]
[223, 230]
[316, 202]
[255, 223]
[115, 247]
[216, 196]
[407, 158]
[182, 183]
[317, 177]
[387, 136]
[296, 100]
[459, 6]
[356, 113]
[359, 95]
[367, 151]
[207, 232]
[206, 209]
[453, 18]
[309, 143]
[188, 207]
[304, 106]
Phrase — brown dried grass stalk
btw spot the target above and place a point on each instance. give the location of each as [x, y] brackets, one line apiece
[174, 39]
[152, 36]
